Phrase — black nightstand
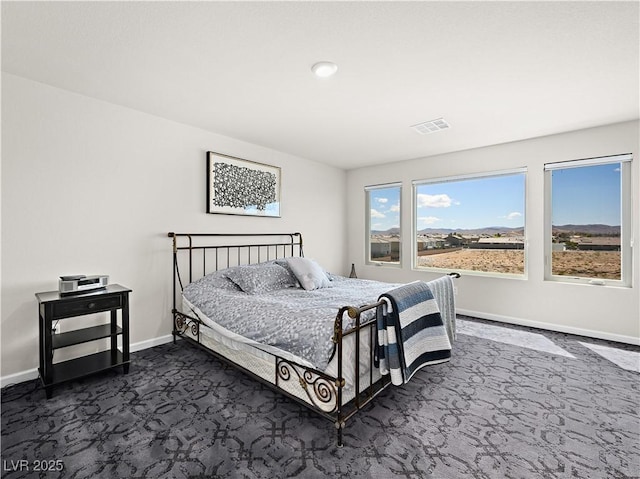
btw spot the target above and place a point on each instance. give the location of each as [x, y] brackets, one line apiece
[52, 307]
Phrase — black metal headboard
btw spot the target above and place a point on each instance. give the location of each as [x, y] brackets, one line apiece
[197, 254]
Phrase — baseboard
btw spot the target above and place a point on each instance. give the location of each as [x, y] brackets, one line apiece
[19, 377]
[619, 338]
[150, 343]
[33, 373]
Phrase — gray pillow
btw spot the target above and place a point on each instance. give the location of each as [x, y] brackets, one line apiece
[261, 278]
[309, 273]
[217, 279]
[209, 285]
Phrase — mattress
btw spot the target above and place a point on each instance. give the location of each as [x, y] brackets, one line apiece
[261, 359]
[288, 318]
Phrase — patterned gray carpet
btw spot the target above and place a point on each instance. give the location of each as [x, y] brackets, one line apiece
[497, 410]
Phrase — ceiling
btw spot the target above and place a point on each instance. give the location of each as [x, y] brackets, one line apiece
[495, 71]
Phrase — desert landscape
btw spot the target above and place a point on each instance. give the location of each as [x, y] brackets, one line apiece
[591, 264]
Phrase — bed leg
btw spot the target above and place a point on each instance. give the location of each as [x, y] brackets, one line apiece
[339, 427]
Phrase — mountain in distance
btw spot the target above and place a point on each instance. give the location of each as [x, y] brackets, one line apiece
[590, 229]
[490, 230]
[389, 232]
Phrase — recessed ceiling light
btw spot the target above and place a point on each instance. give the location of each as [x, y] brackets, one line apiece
[324, 69]
[431, 126]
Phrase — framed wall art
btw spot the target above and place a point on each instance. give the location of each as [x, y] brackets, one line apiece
[241, 187]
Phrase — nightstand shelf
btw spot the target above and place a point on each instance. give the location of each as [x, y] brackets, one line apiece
[85, 335]
[83, 366]
[52, 306]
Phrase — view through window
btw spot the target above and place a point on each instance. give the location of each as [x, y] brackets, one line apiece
[383, 223]
[471, 223]
[588, 208]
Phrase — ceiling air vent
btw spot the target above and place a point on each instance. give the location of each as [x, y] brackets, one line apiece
[431, 126]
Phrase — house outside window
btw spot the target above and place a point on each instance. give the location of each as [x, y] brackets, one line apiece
[472, 223]
[588, 221]
[384, 239]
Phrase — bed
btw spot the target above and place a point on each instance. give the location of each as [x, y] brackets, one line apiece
[255, 302]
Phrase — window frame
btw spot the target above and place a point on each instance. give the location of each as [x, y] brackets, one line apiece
[455, 178]
[626, 220]
[367, 259]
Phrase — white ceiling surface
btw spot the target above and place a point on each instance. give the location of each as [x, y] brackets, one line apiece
[496, 71]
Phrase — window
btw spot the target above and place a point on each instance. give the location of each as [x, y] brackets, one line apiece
[383, 224]
[588, 220]
[471, 223]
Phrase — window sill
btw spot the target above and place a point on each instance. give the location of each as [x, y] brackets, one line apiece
[464, 272]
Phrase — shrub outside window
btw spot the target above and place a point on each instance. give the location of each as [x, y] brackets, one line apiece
[384, 239]
[472, 223]
[588, 220]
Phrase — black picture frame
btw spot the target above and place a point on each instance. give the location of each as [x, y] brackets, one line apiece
[236, 186]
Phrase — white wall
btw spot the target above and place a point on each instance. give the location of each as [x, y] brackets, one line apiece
[606, 312]
[91, 187]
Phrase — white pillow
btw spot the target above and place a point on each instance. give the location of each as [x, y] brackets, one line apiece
[309, 273]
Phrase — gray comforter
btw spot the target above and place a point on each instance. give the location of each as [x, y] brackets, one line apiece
[291, 318]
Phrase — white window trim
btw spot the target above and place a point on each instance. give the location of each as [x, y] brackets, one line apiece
[600, 160]
[626, 227]
[471, 176]
[489, 174]
[367, 248]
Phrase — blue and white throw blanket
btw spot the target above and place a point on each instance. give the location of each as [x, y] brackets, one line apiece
[411, 332]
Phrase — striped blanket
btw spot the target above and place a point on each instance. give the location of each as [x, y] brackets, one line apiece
[411, 332]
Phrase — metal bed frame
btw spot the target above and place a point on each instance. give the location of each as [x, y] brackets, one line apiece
[324, 393]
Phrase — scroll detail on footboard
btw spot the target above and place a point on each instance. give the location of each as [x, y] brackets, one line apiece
[321, 390]
[182, 323]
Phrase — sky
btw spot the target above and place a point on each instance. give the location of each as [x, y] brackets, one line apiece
[585, 195]
[472, 203]
[385, 208]
[465, 204]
